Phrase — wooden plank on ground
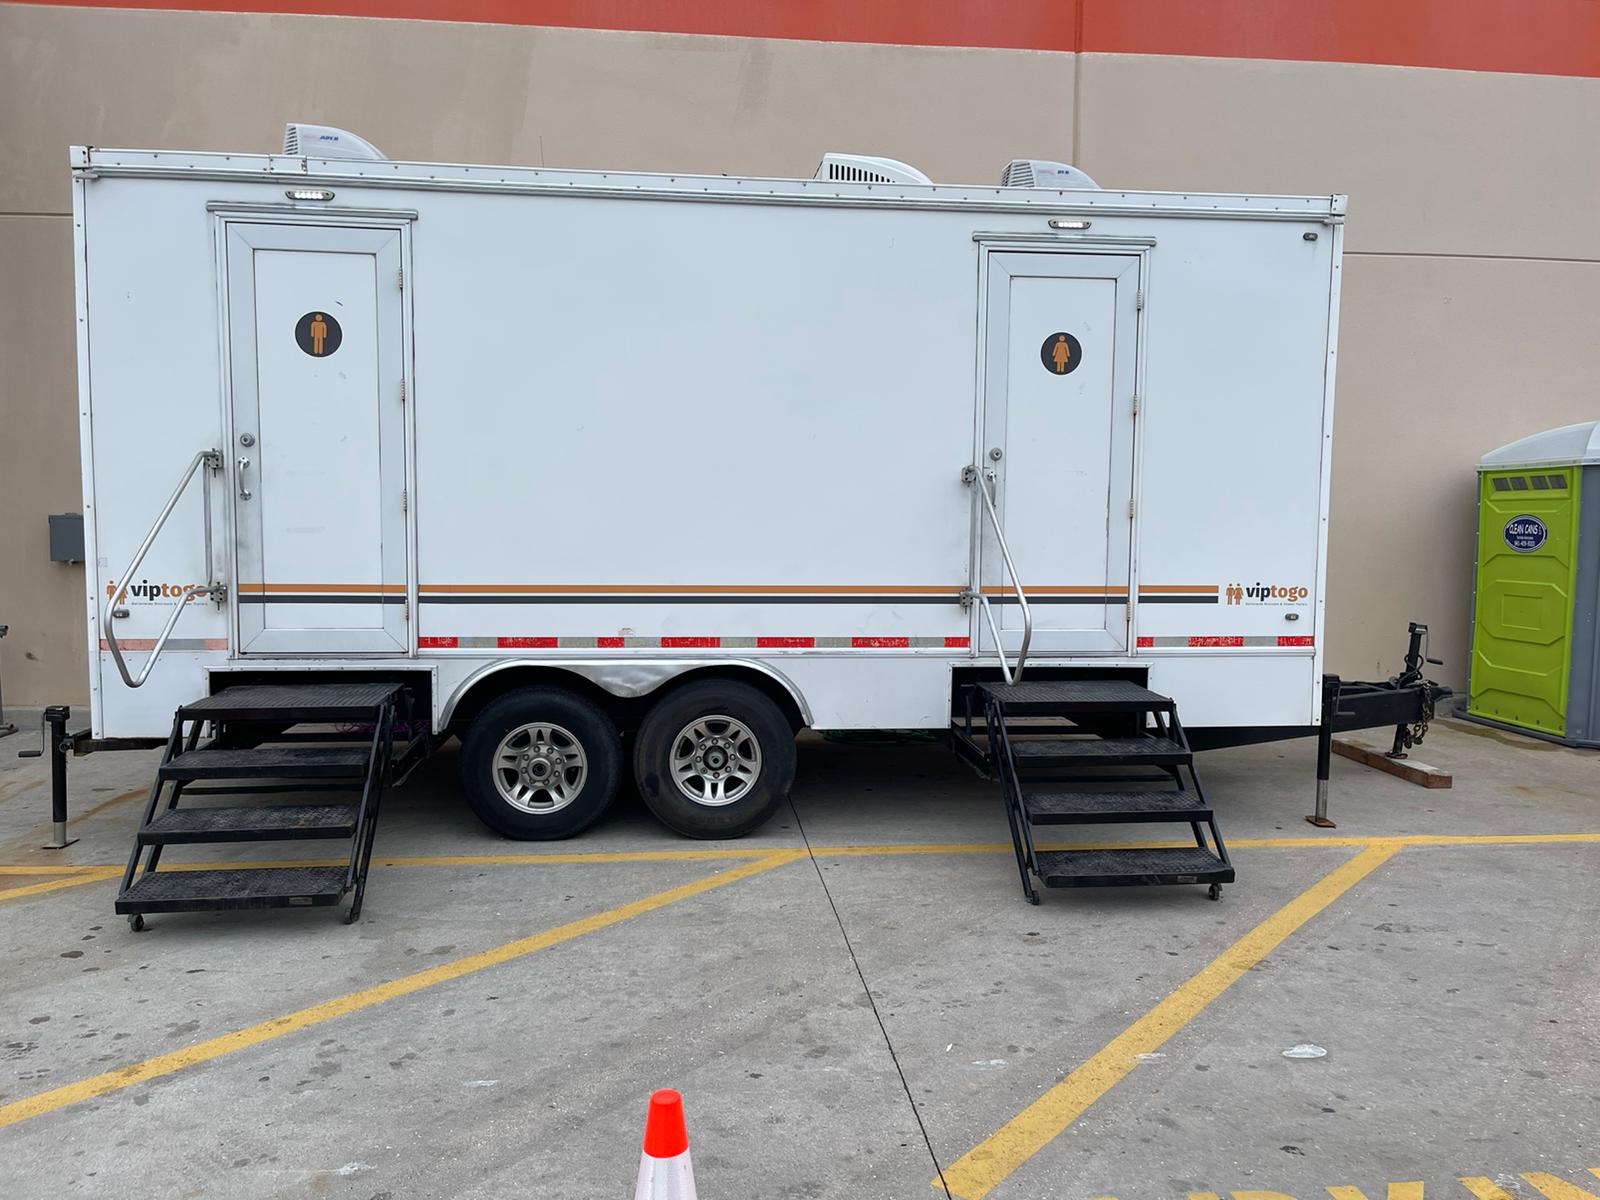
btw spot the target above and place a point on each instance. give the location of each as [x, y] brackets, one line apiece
[1409, 769]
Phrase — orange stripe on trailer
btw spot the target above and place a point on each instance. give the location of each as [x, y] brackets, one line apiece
[695, 589]
[326, 589]
[1166, 589]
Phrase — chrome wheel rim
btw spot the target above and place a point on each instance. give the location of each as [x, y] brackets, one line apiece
[540, 768]
[716, 760]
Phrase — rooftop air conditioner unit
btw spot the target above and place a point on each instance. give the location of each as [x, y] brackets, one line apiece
[866, 168]
[324, 141]
[1039, 173]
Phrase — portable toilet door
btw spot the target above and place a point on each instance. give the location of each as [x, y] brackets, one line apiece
[1536, 606]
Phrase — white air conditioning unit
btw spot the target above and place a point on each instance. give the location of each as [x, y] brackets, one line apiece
[1040, 173]
[867, 168]
[324, 141]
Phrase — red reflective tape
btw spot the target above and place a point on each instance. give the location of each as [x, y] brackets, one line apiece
[879, 643]
[1216, 641]
[685, 643]
[1297, 641]
[437, 643]
[610, 643]
[1145, 641]
[957, 643]
[527, 643]
[785, 643]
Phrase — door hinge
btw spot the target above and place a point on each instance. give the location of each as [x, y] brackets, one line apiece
[1136, 404]
[402, 390]
[400, 279]
[1132, 504]
[405, 611]
[1127, 610]
[1138, 300]
[405, 500]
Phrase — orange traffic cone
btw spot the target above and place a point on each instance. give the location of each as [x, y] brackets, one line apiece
[665, 1172]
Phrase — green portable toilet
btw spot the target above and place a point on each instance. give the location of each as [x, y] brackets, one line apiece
[1536, 600]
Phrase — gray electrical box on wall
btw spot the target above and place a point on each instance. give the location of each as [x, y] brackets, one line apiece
[66, 537]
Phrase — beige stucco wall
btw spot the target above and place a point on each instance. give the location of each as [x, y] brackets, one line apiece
[1469, 299]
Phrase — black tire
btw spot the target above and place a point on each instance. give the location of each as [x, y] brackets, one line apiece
[756, 801]
[573, 715]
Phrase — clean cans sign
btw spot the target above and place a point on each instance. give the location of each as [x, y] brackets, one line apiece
[1525, 534]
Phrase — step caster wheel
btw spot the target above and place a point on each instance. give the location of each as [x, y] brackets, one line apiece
[136, 922]
[1214, 891]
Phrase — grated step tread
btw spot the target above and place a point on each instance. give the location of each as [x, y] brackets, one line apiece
[233, 888]
[269, 762]
[277, 822]
[1132, 867]
[1150, 751]
[1095, 808]
[1067, 696]
[293, 702]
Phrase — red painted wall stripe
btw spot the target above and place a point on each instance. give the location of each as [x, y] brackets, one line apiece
[690, 643]
[1541, 37]
[436, 643]
[1216, 641]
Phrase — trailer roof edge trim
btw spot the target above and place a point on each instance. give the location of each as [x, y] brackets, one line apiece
[92, 163]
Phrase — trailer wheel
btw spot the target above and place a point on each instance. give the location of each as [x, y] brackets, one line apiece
[540, 763]
[714, 759]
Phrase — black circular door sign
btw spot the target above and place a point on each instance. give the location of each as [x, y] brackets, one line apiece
[1061, 354]
[318, 333]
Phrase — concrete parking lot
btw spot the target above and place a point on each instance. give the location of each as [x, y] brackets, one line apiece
[855, 1002]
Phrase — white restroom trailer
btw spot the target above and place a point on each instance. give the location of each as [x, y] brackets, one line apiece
[732, 454]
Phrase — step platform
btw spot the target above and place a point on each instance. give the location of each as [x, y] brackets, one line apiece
[1134, 867]
[234, 888]
[1118, 727]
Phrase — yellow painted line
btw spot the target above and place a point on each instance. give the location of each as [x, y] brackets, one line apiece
[63, 869]
[977, 1172]
[1396, 841]
[327, 1010]
[1409, 1190]
[94, 875]
[1557, 1188]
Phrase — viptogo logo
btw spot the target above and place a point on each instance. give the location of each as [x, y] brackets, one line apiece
[145, 592]
[1265, 593]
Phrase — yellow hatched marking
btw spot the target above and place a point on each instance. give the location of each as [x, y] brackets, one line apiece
[1410, 1190]
[327, 1010]
[1557, 1188]
[977, 1172]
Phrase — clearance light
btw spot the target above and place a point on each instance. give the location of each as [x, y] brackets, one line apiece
[309, 194]
[1059, 224]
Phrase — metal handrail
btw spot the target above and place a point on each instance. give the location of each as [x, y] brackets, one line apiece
[985, 479]
[213, 461]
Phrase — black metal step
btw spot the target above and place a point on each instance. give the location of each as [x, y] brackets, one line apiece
[293, 703]
[230, 888]
[269, 762]
[1111, 808]
[1132, 867]
[261, 823]
[1065, 697]
[1099, 752]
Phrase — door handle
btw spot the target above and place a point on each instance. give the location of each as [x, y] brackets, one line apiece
[244, 492]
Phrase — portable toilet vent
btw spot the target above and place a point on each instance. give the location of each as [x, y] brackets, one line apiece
[1038, 173]
[1536, 602]
[865, 168]
[324, 141]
